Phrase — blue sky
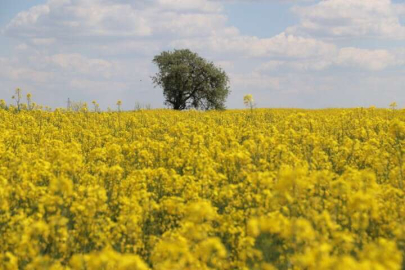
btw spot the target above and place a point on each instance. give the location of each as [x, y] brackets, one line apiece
[298, 53]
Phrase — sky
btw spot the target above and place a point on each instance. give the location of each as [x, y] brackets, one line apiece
[286, 53]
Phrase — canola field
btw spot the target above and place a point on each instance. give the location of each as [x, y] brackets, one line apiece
[239, 189]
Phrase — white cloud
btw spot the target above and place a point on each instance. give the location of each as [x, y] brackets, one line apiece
[102, 49]
[92, 20]
[282, 45]
[129, 47]
[258, 1]
[13, 71]
[366, 59]
[255, 80]
[42, 69]
[64, 19]
[96, 88]
[226, 65]
[348, 57]
[42, 41]
[79, 64]
[22, 47]
[302, 65]
[200, 5]
[52, 79]
[150, 26]
[350, 18]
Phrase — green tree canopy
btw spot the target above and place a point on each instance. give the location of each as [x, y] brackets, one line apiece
[189, 81]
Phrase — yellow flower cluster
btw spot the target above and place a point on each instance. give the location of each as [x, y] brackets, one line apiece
[165, 190]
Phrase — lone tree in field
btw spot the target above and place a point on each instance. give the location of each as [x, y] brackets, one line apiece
[189, 81]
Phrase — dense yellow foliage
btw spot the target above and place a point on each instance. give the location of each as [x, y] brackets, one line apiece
[164, 190]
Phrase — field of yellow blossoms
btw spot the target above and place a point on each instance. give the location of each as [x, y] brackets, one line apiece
[239, 189]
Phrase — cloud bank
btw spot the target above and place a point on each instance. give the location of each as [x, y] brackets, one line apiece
[102, 49]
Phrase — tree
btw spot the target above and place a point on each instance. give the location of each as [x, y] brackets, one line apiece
[189, 81]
